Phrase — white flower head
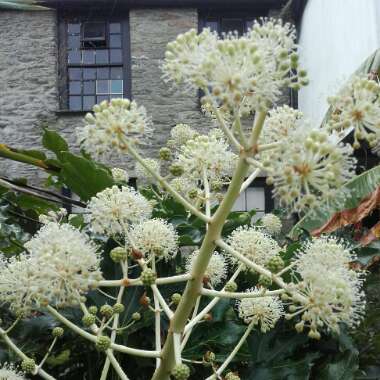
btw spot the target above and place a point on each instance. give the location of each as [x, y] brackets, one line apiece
[10, 372]
[142, 174]
[184, 185]
[61, 265]
[155, 237]
[254, 244]
[357, 105]
[247, 72]
[280, 122]
[216, 270]
[114, 209]
[111, 125]
[308, 170]
[119, 175]
[209, 155]
[331, 292]
[272, 223]
[180, 135]
[261, 310]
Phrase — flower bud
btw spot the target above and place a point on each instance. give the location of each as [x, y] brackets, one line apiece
[57, 332]
[88, 320]
[176, 170]
[176, 298]
[28, 365]
[165, 154]
[264, 281]
[231, 286]
[118, 254]
[103, 343]
[118, 308]
[106, 311]
[93, 310]
[148, 277]
[181, 372]
[136, 316]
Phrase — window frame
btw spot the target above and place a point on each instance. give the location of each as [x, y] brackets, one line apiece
[62, 65]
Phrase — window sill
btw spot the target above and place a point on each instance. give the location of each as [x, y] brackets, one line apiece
[71, 112]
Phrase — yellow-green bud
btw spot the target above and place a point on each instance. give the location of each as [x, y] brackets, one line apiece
[118, 254]
[148, 277]
[176, 298]
[118, 308]
[106, 311]
[103, 343]
[136, 316]
[57, 332]
[209, 357]
[93, 310]
[275, 264]
[232, 376]
[231, 286]
[176, 169]
[165, 154]
[28, 365]
[181, 372]
[265, 280]
[88, 320]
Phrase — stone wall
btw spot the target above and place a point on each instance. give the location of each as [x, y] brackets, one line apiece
[28, 77]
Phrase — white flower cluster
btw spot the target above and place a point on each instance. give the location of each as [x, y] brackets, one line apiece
[331, 292]
[60, 265]
[263, 310]
[216, 270]
[112, 210]
[111, 125]
[254, 244]
[119, 175]
[142, 174]
[52, 216]
[272, 223]
[10, 372]
[357, 105]
[208, 155]
[249, 71]
[280, 122]
[308, 169]
[155, 237]
[180, 135]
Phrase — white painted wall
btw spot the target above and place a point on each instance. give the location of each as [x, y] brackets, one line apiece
[336, 36]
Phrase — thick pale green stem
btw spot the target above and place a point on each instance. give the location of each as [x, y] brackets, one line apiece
[194, 286]
[239, 295]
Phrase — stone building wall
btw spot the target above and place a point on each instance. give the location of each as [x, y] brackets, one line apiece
[28, 78]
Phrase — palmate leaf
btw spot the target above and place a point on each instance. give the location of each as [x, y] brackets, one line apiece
[358, 188]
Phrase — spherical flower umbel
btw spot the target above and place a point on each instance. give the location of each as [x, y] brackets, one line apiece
[10, 372]
[112, 210]
[272, 223]
[254, 244]
[216, 270]
[308, 170]
[111, 125]
[328, 291]
[155, 237]
[119, 175]
[261, 310]
[357, 105]
[180, 135]
[207, 155]
[234, 72]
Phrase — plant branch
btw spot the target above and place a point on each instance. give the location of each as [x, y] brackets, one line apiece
[249, 180]
[238, 295]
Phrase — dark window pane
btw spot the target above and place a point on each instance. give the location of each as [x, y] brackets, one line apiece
[74, 57]
[116, 73]
[74, 73]
[115, 56]
[213, 25]
[115, 27]
[101, 98]
[94, 30]
[101, 56]
[232, 25]
[89, 73]
[75, 103]
[88, 56]
[75, 88]
[73, 42]
[89, 87]
[102, 73]
[116, 87]
[73, 28]
[88, 102]
[102, 87]
[115, 40]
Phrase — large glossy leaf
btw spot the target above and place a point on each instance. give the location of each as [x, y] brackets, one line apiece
[358, 188]
[54, 142]
[84, 177]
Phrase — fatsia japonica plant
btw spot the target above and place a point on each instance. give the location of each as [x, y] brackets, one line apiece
[241, 80]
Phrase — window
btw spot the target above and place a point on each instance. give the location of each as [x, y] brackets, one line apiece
[94, 61]
[227, 21]
[258, 196]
